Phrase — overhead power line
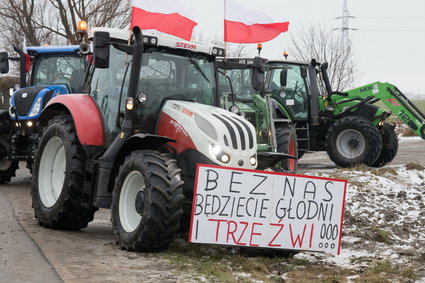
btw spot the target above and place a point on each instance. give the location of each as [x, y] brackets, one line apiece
[345, 28]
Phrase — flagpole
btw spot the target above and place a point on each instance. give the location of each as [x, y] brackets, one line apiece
[225, 30]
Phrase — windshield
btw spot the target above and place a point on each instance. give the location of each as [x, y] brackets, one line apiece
[176, 75]
[292, 92]
[67, 70]
[241, 83]
[187, 77]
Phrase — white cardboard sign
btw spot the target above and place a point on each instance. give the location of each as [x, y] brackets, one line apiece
[267, 209]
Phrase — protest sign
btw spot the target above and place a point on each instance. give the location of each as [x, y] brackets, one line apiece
[267, 209]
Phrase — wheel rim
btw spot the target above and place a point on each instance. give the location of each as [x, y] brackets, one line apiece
[129, 217]
[291, 152]
[51, 175]
[350, 143]
[5, 163]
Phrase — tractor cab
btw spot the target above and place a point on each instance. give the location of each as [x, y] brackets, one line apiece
[289, 85]
[58, 65]
[170, 69]
[243, 90]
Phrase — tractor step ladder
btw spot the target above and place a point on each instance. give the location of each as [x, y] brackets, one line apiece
[303, 138]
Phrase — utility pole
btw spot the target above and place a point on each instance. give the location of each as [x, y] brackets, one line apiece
[344, 18]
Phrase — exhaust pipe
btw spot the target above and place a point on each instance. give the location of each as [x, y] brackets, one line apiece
[84, 48]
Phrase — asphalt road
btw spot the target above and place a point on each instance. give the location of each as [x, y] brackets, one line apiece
[30, 253]
[21, 260]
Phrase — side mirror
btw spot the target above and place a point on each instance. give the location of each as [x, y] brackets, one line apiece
[101, 49]
[4, 63]
[324, 66]
[283, 77]
[258, 74]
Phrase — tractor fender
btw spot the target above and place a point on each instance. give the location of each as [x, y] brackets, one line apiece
[423, 132]
[84, 112]
[143, 141]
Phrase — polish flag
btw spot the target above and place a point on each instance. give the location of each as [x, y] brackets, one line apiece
[242, 25]
[168, 16]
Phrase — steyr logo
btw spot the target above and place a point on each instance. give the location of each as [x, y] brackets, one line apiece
[185, 45]
[187, 112]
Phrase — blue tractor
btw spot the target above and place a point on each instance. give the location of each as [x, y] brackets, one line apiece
[45, 72]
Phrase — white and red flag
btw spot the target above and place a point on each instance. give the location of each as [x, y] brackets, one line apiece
[168, 16]
[242, 25]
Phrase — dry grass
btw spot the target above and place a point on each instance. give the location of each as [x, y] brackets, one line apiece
[414, 166]
[384, 171]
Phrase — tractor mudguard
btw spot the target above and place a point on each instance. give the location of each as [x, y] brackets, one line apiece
[145, 142]
[84, 112]
[367, 111]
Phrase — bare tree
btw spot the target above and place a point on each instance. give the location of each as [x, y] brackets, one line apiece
[325, 45]
[55, 21]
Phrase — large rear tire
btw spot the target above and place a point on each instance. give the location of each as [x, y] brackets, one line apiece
[58, 176]
[147, 202]
[286, 137]
[7, 169]
[389, 145]
[353, 140]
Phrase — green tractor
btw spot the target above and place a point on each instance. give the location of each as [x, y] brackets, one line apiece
[348, 125]
[243, 94]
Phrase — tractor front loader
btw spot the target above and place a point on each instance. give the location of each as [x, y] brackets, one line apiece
[132, 143]
[54, 70]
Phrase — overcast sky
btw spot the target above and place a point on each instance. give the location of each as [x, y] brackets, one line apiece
[389, 45]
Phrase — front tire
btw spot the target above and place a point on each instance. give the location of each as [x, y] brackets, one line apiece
[353, 140]
[147, 202]
[58, 176]
[286, 137]
[7, 169]
[389, 145]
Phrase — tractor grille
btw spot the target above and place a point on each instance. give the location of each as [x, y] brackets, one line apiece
[23, 104]
[237, 127]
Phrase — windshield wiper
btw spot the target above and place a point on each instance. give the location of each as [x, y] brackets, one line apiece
[196, 64]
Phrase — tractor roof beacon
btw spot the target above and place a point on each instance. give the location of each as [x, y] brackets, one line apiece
[134, 138]
[55, 70]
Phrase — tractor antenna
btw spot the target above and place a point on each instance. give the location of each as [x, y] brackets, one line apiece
[345, 18]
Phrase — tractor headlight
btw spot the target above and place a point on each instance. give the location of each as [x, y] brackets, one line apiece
[142, 97]
[225, 158]
[219, 153]
[129, 105]
[30, 124]
[12, 109]
[36, 108]
[253, 160]
[234, 109]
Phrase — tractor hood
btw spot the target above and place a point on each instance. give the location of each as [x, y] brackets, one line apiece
[225, 138]
[29, 101]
